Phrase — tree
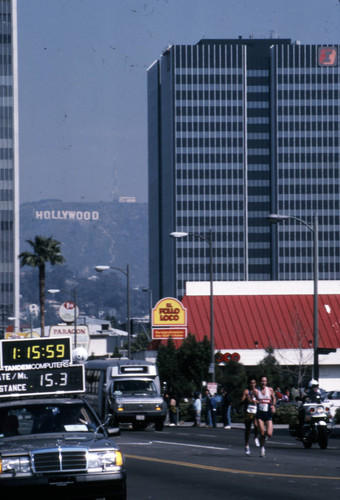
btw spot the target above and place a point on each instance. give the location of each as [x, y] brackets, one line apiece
[193, 361]
[45, 250]
[270, 368]
[168, 366]
[184, 369]
[233, 376]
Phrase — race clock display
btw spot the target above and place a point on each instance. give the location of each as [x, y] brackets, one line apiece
[69, 379]
[28, 351]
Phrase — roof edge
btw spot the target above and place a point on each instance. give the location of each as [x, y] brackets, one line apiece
[262, 287]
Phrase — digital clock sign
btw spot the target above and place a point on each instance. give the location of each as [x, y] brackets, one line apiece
[69, 379]
[28, 351]
[39, 366]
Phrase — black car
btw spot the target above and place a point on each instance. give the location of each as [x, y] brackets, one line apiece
[57, 446]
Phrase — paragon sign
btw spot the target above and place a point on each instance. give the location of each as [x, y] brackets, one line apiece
[169, 314]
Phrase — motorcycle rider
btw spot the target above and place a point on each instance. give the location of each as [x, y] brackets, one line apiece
[313, 395]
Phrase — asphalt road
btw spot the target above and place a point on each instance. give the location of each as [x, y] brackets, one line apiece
[199, 463]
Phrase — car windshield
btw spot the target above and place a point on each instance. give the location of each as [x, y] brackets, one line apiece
[133, 387]
[45, 418]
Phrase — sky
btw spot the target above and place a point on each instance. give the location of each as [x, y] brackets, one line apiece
[83, 81]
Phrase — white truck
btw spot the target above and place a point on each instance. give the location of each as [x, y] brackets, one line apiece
[128, 390]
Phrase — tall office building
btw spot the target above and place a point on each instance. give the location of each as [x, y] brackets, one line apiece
[9, 187]
[239, 129]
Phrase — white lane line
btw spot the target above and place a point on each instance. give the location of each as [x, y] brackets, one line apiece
[192, 445]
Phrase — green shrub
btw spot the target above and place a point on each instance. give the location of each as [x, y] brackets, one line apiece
[186, 411]
[286, 414]
[337, 416]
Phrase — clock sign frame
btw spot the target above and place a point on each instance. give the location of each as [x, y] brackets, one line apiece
[36, 350]
[30, 367]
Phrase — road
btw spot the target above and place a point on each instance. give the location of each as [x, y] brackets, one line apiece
[198, 463]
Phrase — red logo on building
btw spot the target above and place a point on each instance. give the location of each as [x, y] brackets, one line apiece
[328, 56]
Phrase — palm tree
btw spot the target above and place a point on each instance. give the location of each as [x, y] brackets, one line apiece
[44, 250]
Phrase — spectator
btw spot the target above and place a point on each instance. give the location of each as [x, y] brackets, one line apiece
[286, 396]
[173, 411]
[213, 410]
[208, 419]
[278, 394]
[197, 409]
[166, 399]
[226, 408]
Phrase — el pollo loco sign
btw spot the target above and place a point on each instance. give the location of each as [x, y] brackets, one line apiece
[169, 314]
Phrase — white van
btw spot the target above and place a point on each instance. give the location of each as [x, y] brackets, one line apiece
[129, 390]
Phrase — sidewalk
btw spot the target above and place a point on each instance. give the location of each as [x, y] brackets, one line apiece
[237, 425]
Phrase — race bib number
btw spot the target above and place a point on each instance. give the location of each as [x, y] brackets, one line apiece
[263, 406]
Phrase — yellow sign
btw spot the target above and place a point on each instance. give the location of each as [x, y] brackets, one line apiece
[166, 333]
[169, 312]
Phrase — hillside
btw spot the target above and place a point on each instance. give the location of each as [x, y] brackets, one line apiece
[103, 233]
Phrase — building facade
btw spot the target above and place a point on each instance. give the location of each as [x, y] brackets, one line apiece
[238, 129]
[9, 182]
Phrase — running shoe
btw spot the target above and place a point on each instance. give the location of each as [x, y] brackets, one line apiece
[247, 450]
[262, 452]
[257, 442]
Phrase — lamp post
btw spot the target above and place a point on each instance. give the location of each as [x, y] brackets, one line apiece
[74, 297]
[210, 243]
[276, 218]
[126, 272]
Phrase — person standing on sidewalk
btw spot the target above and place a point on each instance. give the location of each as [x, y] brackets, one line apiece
[226, 408]
[213, 410]
[265, 409]
[197, 409]
[208, 419]
[249, 400]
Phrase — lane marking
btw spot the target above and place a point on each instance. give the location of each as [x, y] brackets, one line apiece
[173, 443]
[231, 471]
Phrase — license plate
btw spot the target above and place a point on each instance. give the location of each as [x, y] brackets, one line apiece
[140, 417]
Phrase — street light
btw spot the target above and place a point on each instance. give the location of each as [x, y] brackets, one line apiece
[276, 218]
[210, 243]
[74, 297]
[126, 272]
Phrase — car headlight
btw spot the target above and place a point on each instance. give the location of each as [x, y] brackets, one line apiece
[15, 465]
[105, 460]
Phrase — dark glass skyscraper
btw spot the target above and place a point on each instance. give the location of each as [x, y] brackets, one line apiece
[9, 182]
[239, 129]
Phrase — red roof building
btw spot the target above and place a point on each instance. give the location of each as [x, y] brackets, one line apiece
[250, 317]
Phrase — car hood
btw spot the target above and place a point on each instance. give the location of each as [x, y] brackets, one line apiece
[140, 395]
[25, 444]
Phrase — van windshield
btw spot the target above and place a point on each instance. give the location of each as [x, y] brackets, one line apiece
[133, 387]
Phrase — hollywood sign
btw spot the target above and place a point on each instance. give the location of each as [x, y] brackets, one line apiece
[76, 215]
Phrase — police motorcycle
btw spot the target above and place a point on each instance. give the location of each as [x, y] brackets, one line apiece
[315, 419]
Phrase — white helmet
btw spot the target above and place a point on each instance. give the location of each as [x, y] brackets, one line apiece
[313, 383]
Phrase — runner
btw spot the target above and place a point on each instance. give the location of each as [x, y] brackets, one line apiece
[250, 410]
[265, 409]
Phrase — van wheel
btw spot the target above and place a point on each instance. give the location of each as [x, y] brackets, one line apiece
[159, 425]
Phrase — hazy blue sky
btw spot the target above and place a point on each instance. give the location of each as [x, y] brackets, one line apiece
[82, 80]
